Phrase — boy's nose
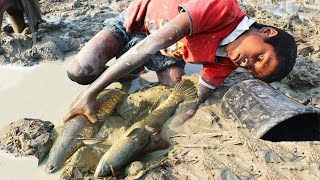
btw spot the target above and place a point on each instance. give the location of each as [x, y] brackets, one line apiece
[247, 62]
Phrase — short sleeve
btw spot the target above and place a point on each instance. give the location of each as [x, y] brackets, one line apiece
[135, 15]
[209, 14]
[215, 74]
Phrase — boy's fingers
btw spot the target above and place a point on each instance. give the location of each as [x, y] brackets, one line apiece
[92, 117]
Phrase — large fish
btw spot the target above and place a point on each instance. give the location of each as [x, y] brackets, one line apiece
[85, 160]
[137, 137]
[69, 141]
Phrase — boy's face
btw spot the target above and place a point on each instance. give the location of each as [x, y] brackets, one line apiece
[252, 53]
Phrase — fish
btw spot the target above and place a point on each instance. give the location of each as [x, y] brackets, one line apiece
[138, 137]
[91, 141]
[85, 160]
[78, 127]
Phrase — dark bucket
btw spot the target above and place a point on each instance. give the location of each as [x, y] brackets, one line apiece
[269, 114]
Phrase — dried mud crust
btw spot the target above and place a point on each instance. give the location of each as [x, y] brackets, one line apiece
[208, 146]
[28, 137]
[67, 26]
[211, 147]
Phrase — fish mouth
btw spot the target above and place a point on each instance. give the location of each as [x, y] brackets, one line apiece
[50, 169]
[102, 172]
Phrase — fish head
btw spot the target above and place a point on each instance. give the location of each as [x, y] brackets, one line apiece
[103, 170]
[51, 168]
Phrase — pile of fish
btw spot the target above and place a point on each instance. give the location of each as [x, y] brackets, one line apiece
[82, 145]
[69, 141]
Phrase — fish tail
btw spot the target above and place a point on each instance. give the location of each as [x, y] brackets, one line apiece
[186, 89]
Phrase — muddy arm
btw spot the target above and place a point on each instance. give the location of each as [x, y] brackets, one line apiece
[135, 57]
[203, 94]
[139, 54]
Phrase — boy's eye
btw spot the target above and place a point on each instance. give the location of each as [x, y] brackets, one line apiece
[260, 58]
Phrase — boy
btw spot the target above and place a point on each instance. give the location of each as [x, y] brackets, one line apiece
[16, 10]
[215, 33]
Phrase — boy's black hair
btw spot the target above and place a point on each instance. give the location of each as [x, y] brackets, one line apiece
[286, 51]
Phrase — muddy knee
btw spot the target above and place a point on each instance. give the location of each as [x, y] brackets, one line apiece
[170, 75]
[82, 79]
[83, 74]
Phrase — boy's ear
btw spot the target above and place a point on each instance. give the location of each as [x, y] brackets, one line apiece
[269, 31]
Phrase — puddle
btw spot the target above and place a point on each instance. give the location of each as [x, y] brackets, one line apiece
[44, 92]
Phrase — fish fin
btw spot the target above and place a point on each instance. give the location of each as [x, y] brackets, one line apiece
[186, 88]
[173, 83]
[91, 141]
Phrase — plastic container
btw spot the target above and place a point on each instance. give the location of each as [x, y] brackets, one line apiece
[269, 114]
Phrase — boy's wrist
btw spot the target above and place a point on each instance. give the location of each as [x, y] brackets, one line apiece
[203, 93]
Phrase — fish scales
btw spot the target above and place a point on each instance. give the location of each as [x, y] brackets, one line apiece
[86, 158]
[122, 151]
[163, 112]
[80, 127]
[107, 101]
[137, 137]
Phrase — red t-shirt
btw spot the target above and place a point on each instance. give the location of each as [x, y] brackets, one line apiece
[211, 21]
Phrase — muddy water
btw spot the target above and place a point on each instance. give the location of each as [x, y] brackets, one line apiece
[43, 91]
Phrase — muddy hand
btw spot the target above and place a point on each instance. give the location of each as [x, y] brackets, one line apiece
[158, 142]
[203, 93]
[183, 117]
[83, 105]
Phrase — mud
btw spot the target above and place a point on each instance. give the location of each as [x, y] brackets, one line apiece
[28, 137]
[81, 163]
[208, 146]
